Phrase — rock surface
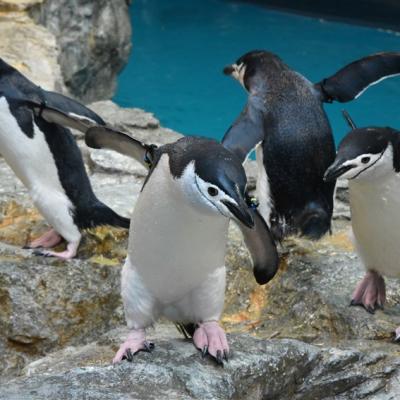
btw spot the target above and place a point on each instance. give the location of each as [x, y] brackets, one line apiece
[294, 338]
[30, 48]
[95, 41]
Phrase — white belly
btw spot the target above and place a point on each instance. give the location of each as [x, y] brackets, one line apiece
[33, 163]
[172, 246]
[375, 213]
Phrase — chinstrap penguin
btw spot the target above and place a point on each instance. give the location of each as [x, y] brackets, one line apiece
[285, 120]
[177, 241]
[369, 158]
[46, 158]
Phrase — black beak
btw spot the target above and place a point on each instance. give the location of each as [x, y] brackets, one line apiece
[335, 171]
[228, 70]
[241, 212]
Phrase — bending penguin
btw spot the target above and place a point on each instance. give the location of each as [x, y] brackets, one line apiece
[285, 119]
[46, 158]
[369, 158]
[177, 241]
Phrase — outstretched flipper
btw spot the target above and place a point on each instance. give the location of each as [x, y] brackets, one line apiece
[103, 137]
[246, 132]
[352, 80]
[262, 248]
[97, 136]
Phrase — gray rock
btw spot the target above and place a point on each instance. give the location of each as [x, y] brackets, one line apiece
[95, 41]
[47, 303]
[258, 369]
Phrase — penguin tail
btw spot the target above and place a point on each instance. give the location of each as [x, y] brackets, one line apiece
[314, 221]
[100, 214]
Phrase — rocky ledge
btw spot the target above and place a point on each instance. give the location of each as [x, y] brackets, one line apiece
[71, 46]
[294, 338]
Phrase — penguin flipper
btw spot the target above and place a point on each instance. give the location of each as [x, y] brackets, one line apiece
[70, 106]
[352, 80]
[245, 133]
[104, 137]
[96, 136]
[262, 248]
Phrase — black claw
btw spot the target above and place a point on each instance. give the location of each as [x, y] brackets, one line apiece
[204, 351]
[219, 357]
[129, 355]
[37, 253]
[370, 309]
[226, 355]
[148, 346]
[26, 247]
[353, 303]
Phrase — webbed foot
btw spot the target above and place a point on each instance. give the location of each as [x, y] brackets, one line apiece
[370, 293]
[210, 339]
[48, 240]
[67, 254]
[135, 342]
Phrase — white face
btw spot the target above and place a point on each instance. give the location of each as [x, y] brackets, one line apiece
[238, 72]
[205, 196]
[370, 166]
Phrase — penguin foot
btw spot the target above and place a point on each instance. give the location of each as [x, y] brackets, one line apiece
[67, 254]
[135, 342]
[210, 339]
[50, 239]
[370, 293]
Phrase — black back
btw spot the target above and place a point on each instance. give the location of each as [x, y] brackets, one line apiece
[297, 143]
[67, 156]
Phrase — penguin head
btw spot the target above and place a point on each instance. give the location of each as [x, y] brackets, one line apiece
[210, 177]
[366, 154]
[253, 68]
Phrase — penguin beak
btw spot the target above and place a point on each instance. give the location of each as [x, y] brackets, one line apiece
[240, 212]
[228, 70]
[336, 170]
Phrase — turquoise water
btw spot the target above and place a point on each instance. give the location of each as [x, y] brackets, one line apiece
[180, 48]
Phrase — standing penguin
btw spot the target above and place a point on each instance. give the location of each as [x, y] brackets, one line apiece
[284, 115]
[46, 158]
[370, 159]
[177, 241]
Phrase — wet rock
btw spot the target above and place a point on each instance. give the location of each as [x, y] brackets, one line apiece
[258, 369]
[95, 41]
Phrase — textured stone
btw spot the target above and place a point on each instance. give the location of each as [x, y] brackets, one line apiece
[259, 369]
[30, 48]
[95, 41]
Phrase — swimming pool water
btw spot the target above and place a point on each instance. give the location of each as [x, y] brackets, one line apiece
[180, 48]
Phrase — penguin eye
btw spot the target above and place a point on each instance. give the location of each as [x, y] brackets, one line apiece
[212, 191]
[365, 160]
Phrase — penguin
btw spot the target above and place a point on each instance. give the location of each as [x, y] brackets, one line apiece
[285, 121]
[177, 241]
[369, 158]
[47, 160]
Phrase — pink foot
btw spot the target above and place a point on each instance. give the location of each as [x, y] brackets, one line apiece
[50, 239]
[135, 342]
[370, 292]
[63, 255]
[210, 338]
